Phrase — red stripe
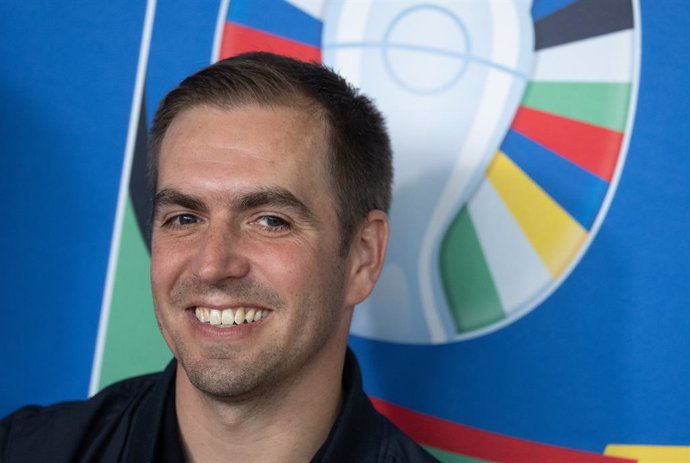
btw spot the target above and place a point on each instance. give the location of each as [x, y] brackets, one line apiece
[591, 147]
[473, 442]
[240, 39]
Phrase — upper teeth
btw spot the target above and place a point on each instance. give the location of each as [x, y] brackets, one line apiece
[229, 317]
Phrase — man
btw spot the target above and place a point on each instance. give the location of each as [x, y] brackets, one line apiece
[271, 180]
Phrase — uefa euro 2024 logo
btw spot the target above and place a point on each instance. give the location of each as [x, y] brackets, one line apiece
[509, 128]
[476, 243]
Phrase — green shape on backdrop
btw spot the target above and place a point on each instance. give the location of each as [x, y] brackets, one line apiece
[133, 343]
[603, 104]
[466, 278]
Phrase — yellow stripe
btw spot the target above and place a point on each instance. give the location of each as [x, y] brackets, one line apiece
[650, 453]
[553, 233]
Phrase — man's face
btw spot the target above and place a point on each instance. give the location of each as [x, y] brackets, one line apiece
[245, 222]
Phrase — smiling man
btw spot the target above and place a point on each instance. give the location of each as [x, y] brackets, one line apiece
[272, 179]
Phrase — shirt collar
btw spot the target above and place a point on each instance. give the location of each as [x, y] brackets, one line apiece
[156, 432]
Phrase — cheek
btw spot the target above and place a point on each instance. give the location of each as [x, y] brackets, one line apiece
[291, 269]
[281, 267]
[158, 267]
[166, 263]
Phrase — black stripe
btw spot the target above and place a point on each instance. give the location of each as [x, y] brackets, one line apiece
[582, 20]
[139, 189]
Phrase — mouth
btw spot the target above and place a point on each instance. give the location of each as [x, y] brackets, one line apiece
[226, 318]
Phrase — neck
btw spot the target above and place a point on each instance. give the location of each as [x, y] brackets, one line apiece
[287, 423]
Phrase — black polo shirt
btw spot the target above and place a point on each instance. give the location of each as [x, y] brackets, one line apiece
[135, 421]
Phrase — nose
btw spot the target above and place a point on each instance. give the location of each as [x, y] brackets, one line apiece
[220, 255]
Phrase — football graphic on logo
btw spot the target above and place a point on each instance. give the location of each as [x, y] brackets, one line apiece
[509, 136]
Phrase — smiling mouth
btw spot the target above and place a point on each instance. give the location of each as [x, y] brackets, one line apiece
[229, 317]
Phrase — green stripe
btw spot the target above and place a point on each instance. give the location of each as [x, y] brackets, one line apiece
[466, 279]
[448, 457]
[133, 343]
[598, 103]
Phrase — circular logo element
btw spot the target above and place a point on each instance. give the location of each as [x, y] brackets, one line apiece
[509, 124]
[441, 58]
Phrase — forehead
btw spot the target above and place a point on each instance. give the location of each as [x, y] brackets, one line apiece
[247, 143]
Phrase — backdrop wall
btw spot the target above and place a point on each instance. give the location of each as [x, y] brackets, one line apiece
[537, 274]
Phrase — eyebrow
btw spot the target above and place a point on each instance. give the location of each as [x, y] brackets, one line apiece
[244, 201]
[272, 197]
[169, 197]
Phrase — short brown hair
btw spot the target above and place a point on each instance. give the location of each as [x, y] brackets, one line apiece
[361, 158]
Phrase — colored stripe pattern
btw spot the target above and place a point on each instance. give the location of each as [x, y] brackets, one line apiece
[553, 171]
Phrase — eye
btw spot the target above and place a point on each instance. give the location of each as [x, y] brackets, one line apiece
[273, 223]
[181, 221]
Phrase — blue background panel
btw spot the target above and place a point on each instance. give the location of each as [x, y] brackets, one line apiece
[66, 80]
[604, 359]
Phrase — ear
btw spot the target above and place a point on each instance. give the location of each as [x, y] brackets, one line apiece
[366, 256]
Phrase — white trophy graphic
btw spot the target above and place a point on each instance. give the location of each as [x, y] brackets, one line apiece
[448, 75]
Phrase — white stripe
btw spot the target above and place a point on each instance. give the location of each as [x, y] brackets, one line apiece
[350, 28]
[352, 21]
[505, 26]
[608, 58]
[517, 271]
[473, 159]
[220, 27]
[475, 153]
[122, 196]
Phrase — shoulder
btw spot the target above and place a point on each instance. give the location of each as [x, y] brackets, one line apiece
[112, 399]
[361, 433]
[58, 432]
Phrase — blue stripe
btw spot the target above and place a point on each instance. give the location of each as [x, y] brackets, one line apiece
[543, 8]
[576, 190]
[277, 17]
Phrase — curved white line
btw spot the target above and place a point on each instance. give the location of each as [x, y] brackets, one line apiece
[471, 159]
[122, 196]
[220, 25]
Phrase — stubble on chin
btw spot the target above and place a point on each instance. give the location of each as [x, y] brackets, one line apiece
[231, 378]
[218, 370]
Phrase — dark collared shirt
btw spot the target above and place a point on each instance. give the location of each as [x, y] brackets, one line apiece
[135, 421]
